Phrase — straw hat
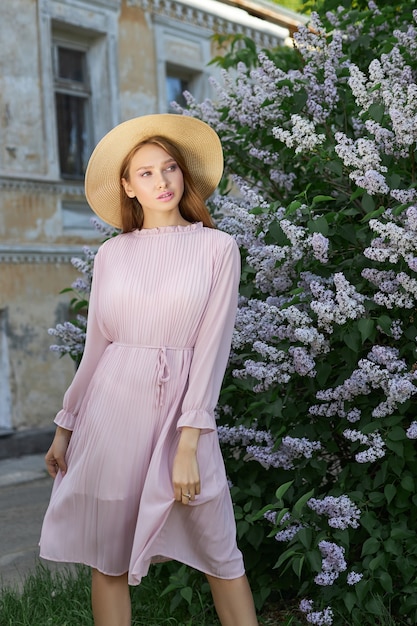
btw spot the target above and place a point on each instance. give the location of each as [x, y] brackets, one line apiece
[198, 143]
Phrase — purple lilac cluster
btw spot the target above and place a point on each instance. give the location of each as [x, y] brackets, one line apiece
[338, 306]
[374, 441]
[353, 578]
[340, 511]
[396, 242]
[320, 618]
[290, 449]
[72, 337]
[382, 369]
[332, 565]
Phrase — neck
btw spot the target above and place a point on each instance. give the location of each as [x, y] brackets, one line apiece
[160, 220]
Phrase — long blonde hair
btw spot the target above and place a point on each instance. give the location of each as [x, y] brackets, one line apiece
[192, 206]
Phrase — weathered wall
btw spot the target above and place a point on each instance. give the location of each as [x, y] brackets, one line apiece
[131, 43]
[31, 304]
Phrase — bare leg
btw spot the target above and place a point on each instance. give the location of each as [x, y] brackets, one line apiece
[233, 601]
[110, 599]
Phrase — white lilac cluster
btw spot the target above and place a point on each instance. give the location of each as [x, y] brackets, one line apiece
[396, 242]
[363, 155]
[391, 84]
[291, 527]
[72, 337]
[261, 325]
[242, 436]
[374, 441]
[283, 179]
[383, 370]
[322, 60]
[408, 38]
[290, 530]
[412, 430]
[85, 267]
[353, 578]
[333, 563]
[290, 449]
[319, 618]
[320, 246]
[340, 511]
[302, 135]
[338, 306]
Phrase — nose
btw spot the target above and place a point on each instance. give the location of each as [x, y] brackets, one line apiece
[161, 183]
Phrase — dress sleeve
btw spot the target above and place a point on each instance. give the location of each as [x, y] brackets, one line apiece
[212, 347]
[95, 345]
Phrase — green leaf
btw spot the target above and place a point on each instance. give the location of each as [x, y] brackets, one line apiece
[400, 533]
[297, 565]
[318, 225]
[282, 490]
[371, 546]
[386, 582]
[373, 214]
[349, 599]
[407, 483]
[187, 594]
[397, 434]
[385, 323]
[352, 340]
[318, 199]
[368, 203]
[285, 556]
[305, 536]
[366, 328]
[299, 505]
[389, 492]
[393, 547]
[376, 112]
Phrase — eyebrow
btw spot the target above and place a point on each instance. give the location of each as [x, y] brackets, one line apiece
[150, 167]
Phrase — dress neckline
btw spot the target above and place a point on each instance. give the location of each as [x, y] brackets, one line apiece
[162, 230]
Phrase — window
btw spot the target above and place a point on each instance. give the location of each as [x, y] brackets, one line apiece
[177, 81]
[72, 105]
[175, 87]
[183, 53]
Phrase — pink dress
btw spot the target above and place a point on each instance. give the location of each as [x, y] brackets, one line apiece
[161, 317]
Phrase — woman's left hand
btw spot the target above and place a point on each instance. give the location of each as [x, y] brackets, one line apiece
[185, 470]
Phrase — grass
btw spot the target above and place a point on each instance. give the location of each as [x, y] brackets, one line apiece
[167, 596]
[62, 598]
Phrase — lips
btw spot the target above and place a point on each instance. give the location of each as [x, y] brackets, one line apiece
[167, 195]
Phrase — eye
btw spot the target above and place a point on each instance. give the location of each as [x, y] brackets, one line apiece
[172, 168]
[145, 174]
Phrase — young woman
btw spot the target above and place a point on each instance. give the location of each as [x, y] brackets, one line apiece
[139, 476]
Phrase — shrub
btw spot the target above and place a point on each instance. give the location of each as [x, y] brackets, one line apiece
[317, 411]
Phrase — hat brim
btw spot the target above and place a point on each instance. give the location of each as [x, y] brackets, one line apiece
[199, 145]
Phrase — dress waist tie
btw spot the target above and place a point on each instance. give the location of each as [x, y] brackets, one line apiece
[163, 374]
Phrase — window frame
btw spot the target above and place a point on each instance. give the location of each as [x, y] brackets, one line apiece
[76, 89]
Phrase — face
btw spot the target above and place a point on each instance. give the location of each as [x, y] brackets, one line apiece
[155, 180]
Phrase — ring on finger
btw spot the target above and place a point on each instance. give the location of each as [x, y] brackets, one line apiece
[186, 495]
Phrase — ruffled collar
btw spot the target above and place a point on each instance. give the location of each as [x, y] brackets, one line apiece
[165, 230]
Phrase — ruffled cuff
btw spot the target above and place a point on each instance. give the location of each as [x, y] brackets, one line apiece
[198, 419]
[65, 419]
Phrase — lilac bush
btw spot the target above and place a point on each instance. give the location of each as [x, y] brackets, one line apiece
[317, 411]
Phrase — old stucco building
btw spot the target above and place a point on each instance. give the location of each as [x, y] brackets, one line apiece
[70, 70]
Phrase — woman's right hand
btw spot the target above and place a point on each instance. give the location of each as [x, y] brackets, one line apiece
[55, 457]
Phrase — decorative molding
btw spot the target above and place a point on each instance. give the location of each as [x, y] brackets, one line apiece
[33, 255]
[34, 185]
[203, 18]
